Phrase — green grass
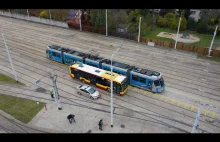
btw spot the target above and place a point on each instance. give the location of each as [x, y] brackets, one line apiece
[217, 59]
[6, 79]
[205, 39]
[21, 109]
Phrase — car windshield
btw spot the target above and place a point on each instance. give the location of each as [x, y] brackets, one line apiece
[91, 90]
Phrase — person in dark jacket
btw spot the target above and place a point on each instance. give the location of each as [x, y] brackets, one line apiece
[70, 117]
[100, 124]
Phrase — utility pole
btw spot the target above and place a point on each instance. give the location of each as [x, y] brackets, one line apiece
[56, 94]
[80, 24]
[112, 87]
[210, 48]
[9, 57]
[50, 17]
[139, 30]
[9, 12]
[195, 125]
[106, 15]
[28, 15]
[177, 33]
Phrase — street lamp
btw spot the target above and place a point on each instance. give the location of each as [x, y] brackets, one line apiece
[210, 48]
[9, 57]
[112, 87]
[80, 23]
[196, 123]
[50, 17]
[106, 15]
[177, 33]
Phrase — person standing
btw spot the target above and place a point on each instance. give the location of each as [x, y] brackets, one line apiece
[52, 92]
[100, 124]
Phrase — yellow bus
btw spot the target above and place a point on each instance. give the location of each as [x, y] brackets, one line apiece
[99, 77]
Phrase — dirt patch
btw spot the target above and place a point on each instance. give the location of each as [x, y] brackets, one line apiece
[190, 39]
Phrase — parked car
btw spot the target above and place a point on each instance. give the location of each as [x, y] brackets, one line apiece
[88, 91]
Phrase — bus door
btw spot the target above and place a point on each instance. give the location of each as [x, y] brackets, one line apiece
[75, 72]
[116, 88]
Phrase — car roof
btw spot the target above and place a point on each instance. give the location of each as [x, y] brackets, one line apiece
[85, 87]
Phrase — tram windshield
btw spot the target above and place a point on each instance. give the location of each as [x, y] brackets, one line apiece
[161, 82]
[157, 83]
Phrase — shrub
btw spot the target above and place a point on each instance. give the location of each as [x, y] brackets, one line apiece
[191, 24]
[162, 22]
[170, 18]
[183, 24]
[44, 14]
[202, 27]
[174, 24]
[218, 30]
[212, 21]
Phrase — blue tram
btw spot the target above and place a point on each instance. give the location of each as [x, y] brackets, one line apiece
[139, 77]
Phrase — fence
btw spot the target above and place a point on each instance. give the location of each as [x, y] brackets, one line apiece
[158, 42]
[180, 46]
[34, 19]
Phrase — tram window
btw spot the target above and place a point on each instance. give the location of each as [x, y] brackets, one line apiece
[143, 80]
[156, 83]
[135, 77]
[58, 54]
[54, 54]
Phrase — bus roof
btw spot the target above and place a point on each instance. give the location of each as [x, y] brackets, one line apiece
[99, 72]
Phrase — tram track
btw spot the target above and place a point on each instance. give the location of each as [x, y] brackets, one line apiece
[199, 93]
[200, 80]
[87, 35]
[51, 62]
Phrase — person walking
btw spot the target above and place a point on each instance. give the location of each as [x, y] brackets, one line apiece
[100, 124]
[70, 117]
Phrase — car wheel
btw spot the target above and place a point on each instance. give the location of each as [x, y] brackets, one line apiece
[91, 98]
[79, 93]
[109, 90]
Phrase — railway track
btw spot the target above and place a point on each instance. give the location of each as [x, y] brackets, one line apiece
[38, 39]
[27, 68]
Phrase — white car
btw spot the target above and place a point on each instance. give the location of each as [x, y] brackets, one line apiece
[88, 91]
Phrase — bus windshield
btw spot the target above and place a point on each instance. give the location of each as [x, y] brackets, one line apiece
[124, 84]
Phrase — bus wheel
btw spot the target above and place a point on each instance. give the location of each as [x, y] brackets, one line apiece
[109, 90]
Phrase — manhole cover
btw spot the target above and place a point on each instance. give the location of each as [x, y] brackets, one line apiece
[41, 90]
[89, 131]
[122, 125]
